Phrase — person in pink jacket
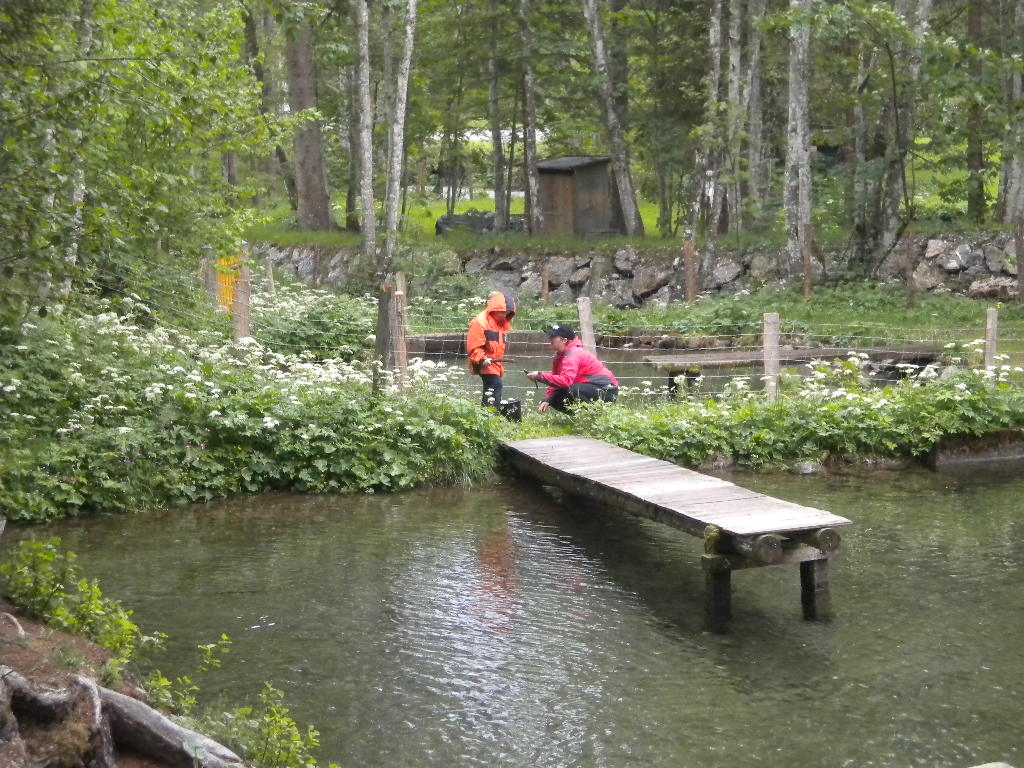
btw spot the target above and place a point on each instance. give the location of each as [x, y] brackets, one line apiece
[576, 375]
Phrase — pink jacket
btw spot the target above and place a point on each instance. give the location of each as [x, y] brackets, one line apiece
[574, 366]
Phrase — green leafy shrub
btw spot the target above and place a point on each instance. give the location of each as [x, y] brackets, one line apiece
[100, 414]
[44, 581]
[834, 413]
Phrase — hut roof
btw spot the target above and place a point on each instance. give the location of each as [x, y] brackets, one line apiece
[570, 163]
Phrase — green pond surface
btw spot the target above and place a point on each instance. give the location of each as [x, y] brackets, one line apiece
[500, 627]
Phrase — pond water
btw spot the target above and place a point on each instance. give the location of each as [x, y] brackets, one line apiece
[497, 627]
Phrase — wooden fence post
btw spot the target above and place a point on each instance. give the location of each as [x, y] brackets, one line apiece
[240, 309]
[770, 341]
[399, 344]
[391, 347]
[1018, 250]
[209, 271]
[991, 336]
[586, 324]
[271, 285]
[690, 265]
[545, 285]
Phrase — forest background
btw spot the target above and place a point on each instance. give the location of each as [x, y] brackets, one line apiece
[135, 133]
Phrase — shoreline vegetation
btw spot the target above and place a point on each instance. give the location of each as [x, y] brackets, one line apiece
[109, 408]
[72, 690]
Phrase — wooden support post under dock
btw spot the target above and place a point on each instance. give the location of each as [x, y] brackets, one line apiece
[815, 590]
[741, 529]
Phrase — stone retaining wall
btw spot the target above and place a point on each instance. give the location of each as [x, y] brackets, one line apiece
[981, 266]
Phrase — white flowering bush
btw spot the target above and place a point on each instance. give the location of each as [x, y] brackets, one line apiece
[98, 413]
[299, 319]
[836, 411]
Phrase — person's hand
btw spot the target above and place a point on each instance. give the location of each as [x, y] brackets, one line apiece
[486, 363]
[544, 407]
[533, 375]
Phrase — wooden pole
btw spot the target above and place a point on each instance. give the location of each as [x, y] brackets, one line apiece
[545, 285]
[586, 324]
[815, 590]
[717, 593]
[399, 344]
[240, 309]
[271, 286]
[770, 336]
[1018, 248]
[210, 278]
[690, 265]
[992, 335]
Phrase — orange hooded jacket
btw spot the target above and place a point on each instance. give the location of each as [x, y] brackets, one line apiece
[488, 334]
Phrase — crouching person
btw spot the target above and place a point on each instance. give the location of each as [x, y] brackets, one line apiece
[576, 375]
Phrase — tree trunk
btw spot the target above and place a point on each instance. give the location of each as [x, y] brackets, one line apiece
[799, 224]
[494, 113]
[754, 105]
[735, 114]
[351, 85]
[396, 143]
[252, 52]
[902, 117]
[535, 216]
[975, 117]
[710, 157]
[310, 177]
[618, 61]
[616, 137]
[510, 168]
[362, 14]
[1013, 208]
[77, 202]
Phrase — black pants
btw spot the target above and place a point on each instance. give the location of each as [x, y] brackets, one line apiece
[492, 389]
[584, 392]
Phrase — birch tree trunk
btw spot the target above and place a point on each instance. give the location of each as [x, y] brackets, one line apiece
[710, 161]
[362, 17]
[310, 177]
[616, 137]
[975, 117]
[799, 223]
[269, 91]
[396, 142]
[494, 113]
[735, 114]
[902, 116]
[753, 102]
[77, 201]
[535, 216]
[1013, 210]
[350, 84]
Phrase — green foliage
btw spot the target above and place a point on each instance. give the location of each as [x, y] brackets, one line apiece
[264, 734]
[834, 413]
[117, 115]
[100, 414]
[42, 579]
[327, 324]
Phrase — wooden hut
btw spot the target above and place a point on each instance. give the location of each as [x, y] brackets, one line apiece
[578, 197]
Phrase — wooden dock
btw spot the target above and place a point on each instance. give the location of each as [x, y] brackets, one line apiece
[740, 528]
[697, 360]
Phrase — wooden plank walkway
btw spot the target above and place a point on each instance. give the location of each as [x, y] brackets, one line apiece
[740, 528]
[700, 359]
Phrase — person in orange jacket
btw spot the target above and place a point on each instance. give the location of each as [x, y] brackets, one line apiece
[485, 344]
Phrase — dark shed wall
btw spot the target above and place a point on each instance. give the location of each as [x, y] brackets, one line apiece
[593, 201]
[556, 199]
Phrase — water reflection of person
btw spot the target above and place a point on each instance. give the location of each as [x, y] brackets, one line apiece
[497, 585]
